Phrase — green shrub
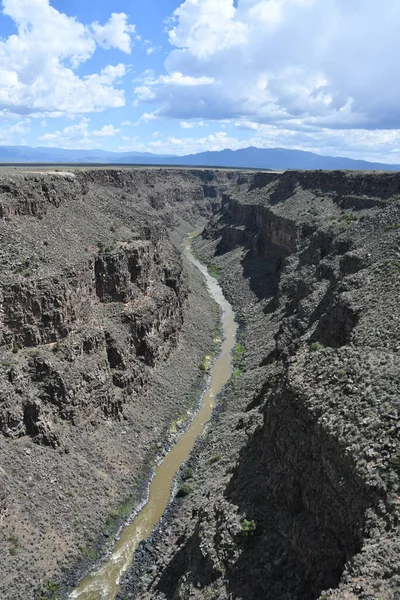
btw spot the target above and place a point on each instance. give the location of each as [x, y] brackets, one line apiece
[238, 352]
[248, 528]
[185, 489]
[187, 473]
[16, 347]
[214, 270]
[315, 347]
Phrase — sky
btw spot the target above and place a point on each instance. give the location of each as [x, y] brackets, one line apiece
[174, 77]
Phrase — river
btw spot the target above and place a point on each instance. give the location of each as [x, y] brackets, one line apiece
[103, 583]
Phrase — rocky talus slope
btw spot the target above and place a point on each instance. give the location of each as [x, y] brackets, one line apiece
[297, 479]
[102, 331]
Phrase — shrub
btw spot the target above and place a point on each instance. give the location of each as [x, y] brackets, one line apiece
[187, 473]
[315, 347]
[16, 347]
[248, 528]
[185, 489]
[238, 352]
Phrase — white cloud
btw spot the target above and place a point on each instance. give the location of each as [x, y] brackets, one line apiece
[144, 93]
[116, 33]
[177, 78]
[326, 63]
[38, 64]
[78, 135]
[192, 124]
[106, 131]
[73, 136]
[181, 146]
[146, 117]
[206, 27]
[9, 132]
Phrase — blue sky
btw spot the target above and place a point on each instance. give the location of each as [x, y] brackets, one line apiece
[177, 77]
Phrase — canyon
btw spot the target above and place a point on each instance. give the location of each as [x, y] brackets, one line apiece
[295, 491]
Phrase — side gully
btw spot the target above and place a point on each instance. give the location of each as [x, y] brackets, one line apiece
[104, 583]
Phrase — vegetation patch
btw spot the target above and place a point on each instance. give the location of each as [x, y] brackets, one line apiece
[315, 347]
[216, 458]
[248, 528]
[185, 489]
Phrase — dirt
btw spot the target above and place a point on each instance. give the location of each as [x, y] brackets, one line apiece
[295, 491]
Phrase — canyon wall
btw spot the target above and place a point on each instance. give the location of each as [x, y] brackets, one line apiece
[96, 322]
[297, 482]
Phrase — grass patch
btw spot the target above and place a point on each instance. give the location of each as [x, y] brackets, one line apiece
[216, 458]
[391, 227]
[120, 513]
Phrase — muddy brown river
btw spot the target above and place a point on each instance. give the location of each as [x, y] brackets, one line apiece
[103, 583]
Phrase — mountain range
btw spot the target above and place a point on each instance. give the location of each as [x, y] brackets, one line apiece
[253, 158]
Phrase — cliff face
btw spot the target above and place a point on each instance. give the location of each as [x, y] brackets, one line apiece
[93, 297]
[100, 293]
[298, 482]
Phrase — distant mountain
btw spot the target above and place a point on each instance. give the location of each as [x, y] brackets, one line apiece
[254, 158]
[279, 159]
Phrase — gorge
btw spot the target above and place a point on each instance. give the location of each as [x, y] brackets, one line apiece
[105, 326]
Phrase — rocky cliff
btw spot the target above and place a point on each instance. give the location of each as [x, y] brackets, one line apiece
[97, 312]
[297, 482]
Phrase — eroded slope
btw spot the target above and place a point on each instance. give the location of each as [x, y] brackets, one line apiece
[102, 332]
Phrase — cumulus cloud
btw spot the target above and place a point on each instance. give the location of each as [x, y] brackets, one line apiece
[181, 146]
[38, 64]
[116, 33]
[77, 135]
[73, 136]
[11, 131]
[191, 124]
[106, 131]
[324, 63]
